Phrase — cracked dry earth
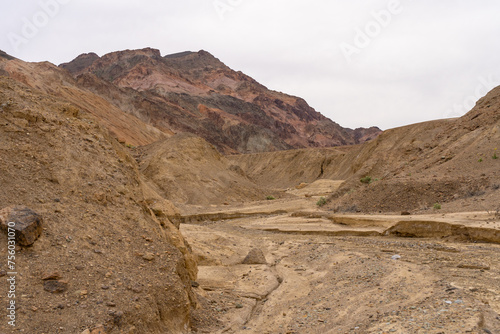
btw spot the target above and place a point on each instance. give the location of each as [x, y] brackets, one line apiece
[318, 283]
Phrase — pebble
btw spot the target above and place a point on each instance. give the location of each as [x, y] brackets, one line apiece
[55, 286]
[149, 257]
[396, 257]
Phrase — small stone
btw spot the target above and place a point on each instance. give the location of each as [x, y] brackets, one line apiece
[110, 304]
[255, 256]
[149, 257]
[239, 306]
[396, 257]
[195, 284]
[55, 286]
[87, 331]
[301, 186]
[117, 317]
[405, 213]
[79, 267]
[105, 287]
[136, 288]
[3, 273]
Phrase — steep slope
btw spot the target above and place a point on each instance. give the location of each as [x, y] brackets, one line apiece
[448, 161]
[51, 80]
[188, 170]
[288, 169]
[124, 265]
[195, 92]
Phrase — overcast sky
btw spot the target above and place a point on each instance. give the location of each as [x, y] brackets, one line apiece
[361, 63]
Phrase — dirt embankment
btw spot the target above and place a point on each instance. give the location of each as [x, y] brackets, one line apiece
[122, 264]
[187, 170]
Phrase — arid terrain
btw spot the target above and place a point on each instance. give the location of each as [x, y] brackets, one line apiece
[180, 196]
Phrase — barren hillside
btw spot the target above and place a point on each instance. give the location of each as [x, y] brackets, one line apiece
[188, 170]
[119, 265]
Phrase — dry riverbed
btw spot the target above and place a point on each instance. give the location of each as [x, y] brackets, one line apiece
[328, 273]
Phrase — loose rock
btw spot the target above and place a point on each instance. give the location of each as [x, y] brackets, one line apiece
[55, 286]
[255, 256]
[26, 223]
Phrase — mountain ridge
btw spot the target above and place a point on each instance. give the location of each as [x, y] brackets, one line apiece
[195, 92]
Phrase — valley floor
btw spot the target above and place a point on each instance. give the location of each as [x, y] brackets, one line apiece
[330, 273]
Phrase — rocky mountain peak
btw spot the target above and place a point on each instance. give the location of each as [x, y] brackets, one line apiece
[196, 92]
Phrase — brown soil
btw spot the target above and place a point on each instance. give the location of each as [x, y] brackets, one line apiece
[188, 170]
[126, 268]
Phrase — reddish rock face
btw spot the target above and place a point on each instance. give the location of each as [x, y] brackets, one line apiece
[195, 92]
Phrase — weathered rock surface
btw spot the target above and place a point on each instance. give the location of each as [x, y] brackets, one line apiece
[55, 286]
[27, 224]
[255, 256]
